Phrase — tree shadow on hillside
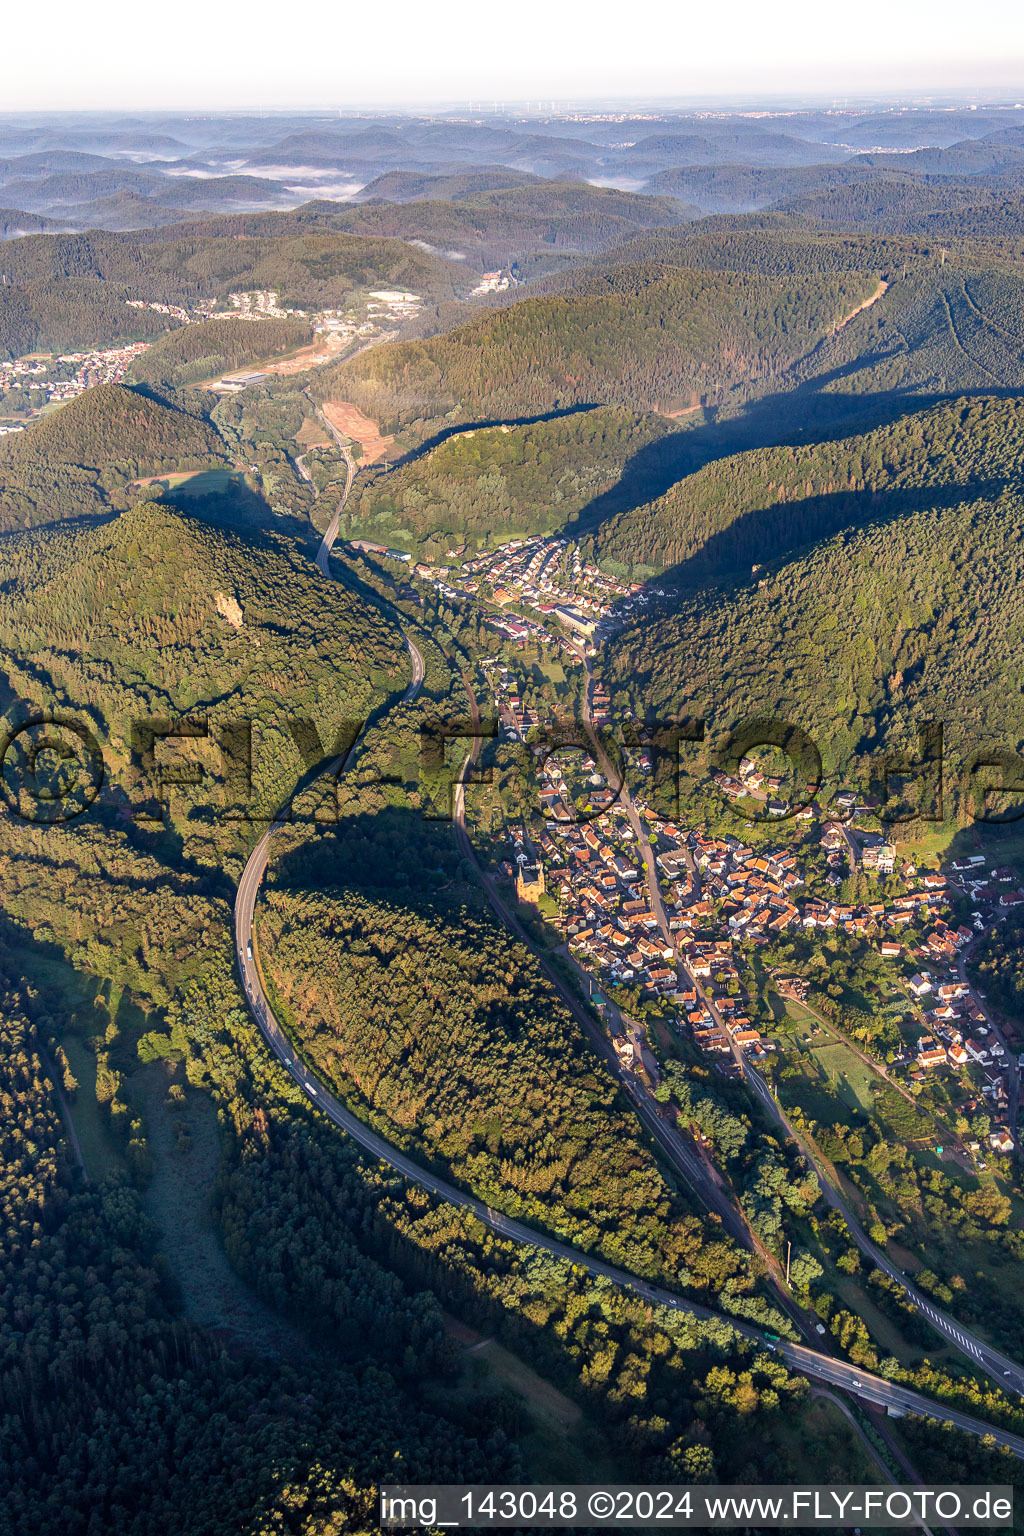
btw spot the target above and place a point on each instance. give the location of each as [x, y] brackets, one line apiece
[787, 419]
[227, 500]
[785, 529]
[396, 850]
[457, 428]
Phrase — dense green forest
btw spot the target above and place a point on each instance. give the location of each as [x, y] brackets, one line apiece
[67, 314]
[501, 482]
[218, 1316]
[79, 461]
[159, 614]
[66, 291]
[910, 616]
[652, 338]
[752, 507]
[198, 352]
[469, 1059]
[117, 1414]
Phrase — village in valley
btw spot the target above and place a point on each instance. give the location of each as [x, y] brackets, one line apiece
[724, 902]
[669, 917]
[546, 577]
[38, 382]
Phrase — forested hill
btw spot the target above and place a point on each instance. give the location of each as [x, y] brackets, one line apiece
[652, 337]
[915, 615]
[15, 222]
[68, 313]
[70, 290]
[501, 482]
[755, 506]
[760, 322]
[197, 352]
[78, 461]
[771, 244]
[495, 219]
[156, 613]
[469, 1058]
[949, 321]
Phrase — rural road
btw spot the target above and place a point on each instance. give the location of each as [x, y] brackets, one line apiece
[1007, 1373]
[1004, 1371]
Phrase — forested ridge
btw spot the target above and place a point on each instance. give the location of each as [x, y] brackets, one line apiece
[768, 326]
[79, 461]
[69, 290]
[652, 338]
[469, 1058]
[159, 614]
[198, 352]
[855, 579]
[754, 506]
[501, 482]
[911, 616]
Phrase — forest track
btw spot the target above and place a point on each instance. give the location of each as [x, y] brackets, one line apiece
[960, 346]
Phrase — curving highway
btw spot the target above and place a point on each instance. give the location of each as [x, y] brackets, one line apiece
[808, 1362]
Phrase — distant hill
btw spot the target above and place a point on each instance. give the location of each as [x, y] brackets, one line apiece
[736, 147]
[720, 188]
[72, 189]
[416, 186]
[15, 222]
[903, 128]
[48, 162]
[1000, 154]
[489, 224]
[69, 291]
[78, 461]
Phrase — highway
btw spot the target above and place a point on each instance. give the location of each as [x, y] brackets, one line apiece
[809, 1362]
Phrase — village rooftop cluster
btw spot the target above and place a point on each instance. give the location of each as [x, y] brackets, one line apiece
[545, 575]
[722, 898]
[51, 380]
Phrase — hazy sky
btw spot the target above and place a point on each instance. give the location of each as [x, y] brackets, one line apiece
[200, 54]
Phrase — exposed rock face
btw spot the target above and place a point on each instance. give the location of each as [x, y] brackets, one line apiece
[228, 608]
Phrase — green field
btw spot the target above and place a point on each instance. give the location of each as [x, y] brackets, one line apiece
[201, 482]
[100, 1152]
[850, 1077]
